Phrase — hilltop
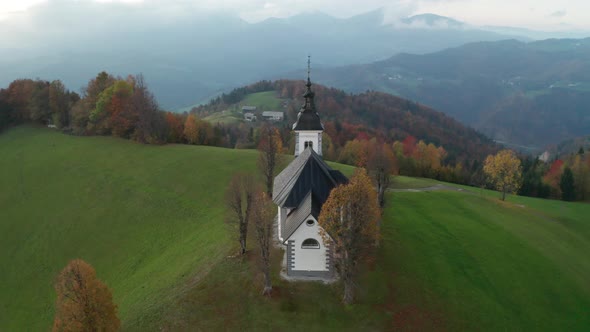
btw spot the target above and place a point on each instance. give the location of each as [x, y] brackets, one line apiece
[150, 220]
[369, 114]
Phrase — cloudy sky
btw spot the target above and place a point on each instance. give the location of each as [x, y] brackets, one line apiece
[536, 14]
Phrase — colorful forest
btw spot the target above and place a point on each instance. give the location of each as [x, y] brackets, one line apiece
[354, 125]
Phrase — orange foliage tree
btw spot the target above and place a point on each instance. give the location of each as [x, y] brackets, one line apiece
[176, 127]
[84, 303]
[553, 176]
[349, 219]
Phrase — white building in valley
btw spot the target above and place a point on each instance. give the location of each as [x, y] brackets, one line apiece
[300, 190]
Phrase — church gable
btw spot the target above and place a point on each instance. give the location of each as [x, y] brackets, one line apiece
[310, 206]
[308, 172]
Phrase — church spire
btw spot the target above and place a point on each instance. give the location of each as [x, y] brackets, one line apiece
[308, 127]
[309, 102]
[308, 71]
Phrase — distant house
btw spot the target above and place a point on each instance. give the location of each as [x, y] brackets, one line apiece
[248, 109]
[273, 116]
[249, 117]
[544, 157]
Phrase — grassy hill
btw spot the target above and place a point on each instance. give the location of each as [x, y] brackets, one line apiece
[150, 220]
[263, 101]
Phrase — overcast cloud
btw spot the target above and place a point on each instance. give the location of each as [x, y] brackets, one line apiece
[536, 14]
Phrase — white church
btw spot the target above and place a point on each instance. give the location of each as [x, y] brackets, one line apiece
[300, 190]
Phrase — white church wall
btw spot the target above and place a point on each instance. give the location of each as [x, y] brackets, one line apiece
[281, 216]
[309, 259]
[315, 136]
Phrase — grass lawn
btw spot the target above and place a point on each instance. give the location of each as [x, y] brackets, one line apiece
[448, 261]
[150, 220]
[405, 182]
[266, 101]
[225, 117]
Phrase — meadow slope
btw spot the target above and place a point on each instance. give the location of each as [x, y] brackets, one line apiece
[150, 220]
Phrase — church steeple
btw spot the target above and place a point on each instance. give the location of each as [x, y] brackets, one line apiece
[309, 102]
[308, 127]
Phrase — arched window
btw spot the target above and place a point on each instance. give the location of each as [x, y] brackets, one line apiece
[308, 143]
[310, 244]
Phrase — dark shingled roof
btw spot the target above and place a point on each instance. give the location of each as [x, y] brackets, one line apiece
[309, 206]
[308, 118]
[307, 173]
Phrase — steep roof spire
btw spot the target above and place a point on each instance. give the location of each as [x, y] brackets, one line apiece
[308, 71]
[309, 102]
[308, 118]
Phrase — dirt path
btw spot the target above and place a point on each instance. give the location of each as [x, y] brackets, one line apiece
[432, 188]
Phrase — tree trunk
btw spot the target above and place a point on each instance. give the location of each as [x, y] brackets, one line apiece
[244, 233]
[347, 278]
[503, 194]
[267, 283]
[243, 245]
[348, 297]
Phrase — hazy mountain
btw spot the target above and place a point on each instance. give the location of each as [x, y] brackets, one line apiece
[189, 57]
[433, 21]
[531, 94]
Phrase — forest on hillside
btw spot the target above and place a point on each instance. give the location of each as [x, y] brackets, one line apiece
[421, 141]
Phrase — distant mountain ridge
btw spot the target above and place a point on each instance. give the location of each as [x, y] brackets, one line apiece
[530, 94]
[190, 59]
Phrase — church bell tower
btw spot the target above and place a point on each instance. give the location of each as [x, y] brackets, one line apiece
[308, 128]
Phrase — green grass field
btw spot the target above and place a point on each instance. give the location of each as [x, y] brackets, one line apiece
[267, 101]
[150, 220]
[225, 117]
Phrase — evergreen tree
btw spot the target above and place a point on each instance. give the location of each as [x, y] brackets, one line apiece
[568, 191]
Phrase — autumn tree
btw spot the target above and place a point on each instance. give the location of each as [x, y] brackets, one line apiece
[263, 213]
[270, 148]
[151, 126]
[349, 219]
[197, 131]
[239, 196]
[39, 102]
[355, 152]
[59, 104]
[175, 126]
[380, 165]
[84, 303]
[503, 171]
[191, 130]
[566, 184]
[581, 172]
[553, 176]
[123, 117]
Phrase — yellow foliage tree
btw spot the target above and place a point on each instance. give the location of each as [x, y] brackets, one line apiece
[349, 219]
[504, 171]
[84, 303]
